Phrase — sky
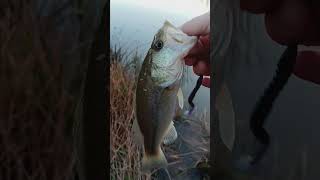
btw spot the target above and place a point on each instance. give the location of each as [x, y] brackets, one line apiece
[188, 8]
[134, 22]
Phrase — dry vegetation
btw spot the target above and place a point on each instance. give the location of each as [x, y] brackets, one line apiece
[34, 105]
[125, 156]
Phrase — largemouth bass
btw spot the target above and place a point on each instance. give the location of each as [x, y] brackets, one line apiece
[158, 87]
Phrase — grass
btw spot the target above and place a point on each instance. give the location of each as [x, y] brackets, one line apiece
[125, 156]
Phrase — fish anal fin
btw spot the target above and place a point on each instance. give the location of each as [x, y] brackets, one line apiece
[171, 135]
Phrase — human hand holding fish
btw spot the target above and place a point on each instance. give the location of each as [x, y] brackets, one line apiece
[199, 55]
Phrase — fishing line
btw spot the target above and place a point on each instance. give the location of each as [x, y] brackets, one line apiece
[265, 103]
[193, 93]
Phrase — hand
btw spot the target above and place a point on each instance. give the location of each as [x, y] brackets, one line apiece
[289, 21]
[199, 55]
[293, 21]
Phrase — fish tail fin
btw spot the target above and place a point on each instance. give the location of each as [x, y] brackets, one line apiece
[150, 162]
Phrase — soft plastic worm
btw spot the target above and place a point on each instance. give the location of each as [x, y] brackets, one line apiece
[193, 93]
[265, 103]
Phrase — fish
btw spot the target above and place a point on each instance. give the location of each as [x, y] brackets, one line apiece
[158, 88]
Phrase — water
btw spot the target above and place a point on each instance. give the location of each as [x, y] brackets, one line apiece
[133, 26]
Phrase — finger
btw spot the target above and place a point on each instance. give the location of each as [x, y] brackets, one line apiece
[197, 26]
[202, 46]
[293, 23]
[206, 82]
[307, 66]
[202, 68]
[190, 61]
[205, 40]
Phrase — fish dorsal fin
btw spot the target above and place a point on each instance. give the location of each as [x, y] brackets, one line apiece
[226, 116]
[180, 98]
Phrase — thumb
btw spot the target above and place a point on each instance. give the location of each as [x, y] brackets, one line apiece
[197, 26]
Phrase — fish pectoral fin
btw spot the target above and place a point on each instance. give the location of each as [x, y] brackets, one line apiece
[180, 98]
[226, 116]
[150, 162]
[137, 135]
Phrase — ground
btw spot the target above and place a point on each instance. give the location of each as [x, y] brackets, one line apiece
[188, 155]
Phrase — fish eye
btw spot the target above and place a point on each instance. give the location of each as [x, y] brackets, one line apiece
[158, 45]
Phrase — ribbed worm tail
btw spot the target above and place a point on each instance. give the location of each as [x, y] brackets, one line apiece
[193, 93]
[264, 105]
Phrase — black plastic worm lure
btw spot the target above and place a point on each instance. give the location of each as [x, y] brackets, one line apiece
[265, 103]
[193, 93]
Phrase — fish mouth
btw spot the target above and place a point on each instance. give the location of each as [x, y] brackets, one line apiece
[193, 40]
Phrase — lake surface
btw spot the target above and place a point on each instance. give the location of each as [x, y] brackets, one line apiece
[133, 26]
